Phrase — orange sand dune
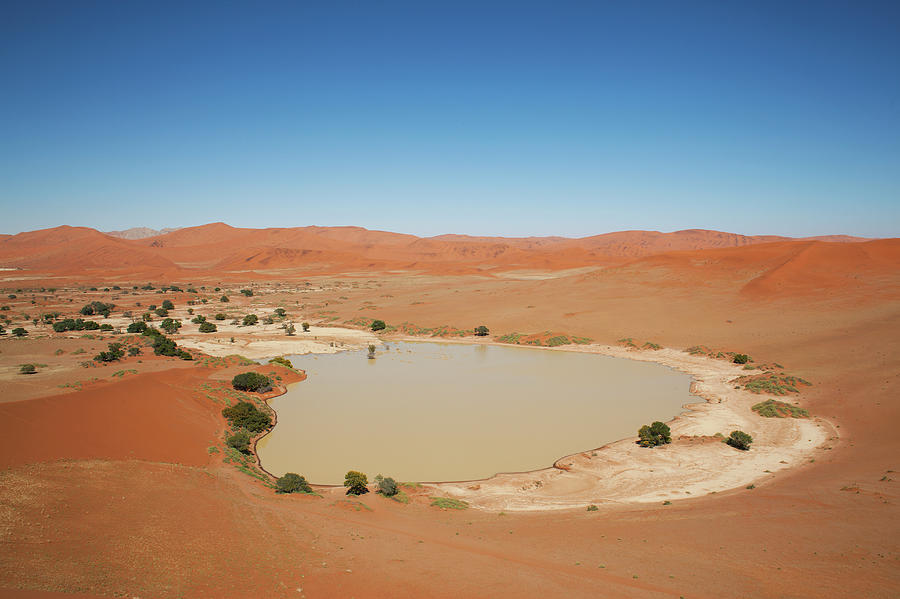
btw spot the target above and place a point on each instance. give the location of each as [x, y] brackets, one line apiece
[218, 249]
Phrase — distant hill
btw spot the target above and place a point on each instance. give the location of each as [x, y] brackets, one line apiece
[766, 265]
[140, 232]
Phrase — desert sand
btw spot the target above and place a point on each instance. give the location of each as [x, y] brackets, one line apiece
[111, 487]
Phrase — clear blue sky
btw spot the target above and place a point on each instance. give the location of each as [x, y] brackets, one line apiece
[519, 118]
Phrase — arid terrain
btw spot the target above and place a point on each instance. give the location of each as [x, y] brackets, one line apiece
[116, 480]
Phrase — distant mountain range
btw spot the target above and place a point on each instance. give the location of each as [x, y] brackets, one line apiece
[140, 232]
[769, 264]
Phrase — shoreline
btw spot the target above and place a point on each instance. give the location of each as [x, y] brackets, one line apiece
[621, 472]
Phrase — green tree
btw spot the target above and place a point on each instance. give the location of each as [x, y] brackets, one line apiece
[305, 326]
[739, 440]
[19, 332]
[220, 316]
[280, 312]
[292, 483]
[250, 320]
[378, 325]
[137, 327]
[224, 299]
[654, 434]
[387, 486]
[240, 441]
[741, 358]
[208, 327]
[245, 415]
[252, 381]
[356, 483]
[481, 331]
[170, 326]
[27, 369]
[168, 305]
[281, 360]
[247, 292]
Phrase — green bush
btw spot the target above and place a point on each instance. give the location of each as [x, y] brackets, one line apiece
[170, 326]
[292, 483]
[97, 308]
[772, 408]
[19, 332]
[356, 483]
[27, 369]
[280, 312]
[739, 440]
[168, 305]
[198, 319]
[247, 292]
[281, 360]
[482, 331]
[387, 486]
[78, 324]
[224, 299]
[250, 320]
[654, 434]
[134, 350]
[113, 354]
[240, 441]
[208, 327]
[161, 312]
[137, 327]
[305, 326]
[252, 381]
[220, 316]
[378, 325]
[741, 358]
[245, 415]
[448, 503]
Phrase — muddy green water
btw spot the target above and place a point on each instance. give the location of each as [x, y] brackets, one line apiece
[445, 412]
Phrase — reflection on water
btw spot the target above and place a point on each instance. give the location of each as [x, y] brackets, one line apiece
[441, 412]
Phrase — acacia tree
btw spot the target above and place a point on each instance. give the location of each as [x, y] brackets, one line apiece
[654, 434]
[292, 483]
[356, 483]
[481, 331]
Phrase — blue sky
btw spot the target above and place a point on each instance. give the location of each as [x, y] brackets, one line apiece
[519, 118]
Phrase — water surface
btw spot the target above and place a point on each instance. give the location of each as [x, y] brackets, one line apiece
[442, 412]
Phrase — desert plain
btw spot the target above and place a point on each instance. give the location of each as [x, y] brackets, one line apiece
[117, 481]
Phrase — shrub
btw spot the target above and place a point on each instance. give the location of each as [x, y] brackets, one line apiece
[592, 508]
[290, 329]
[198, 319]
[134, 350]
[281, 360]
[161, 312]
[208, 327]
[97, 308]
[280, 312]
[739, 440]
[292, 483]
[170, 326]
[252, 381]
[654, 434]
[250, 320]
[219, 316]
[19, 332]
[305, 326]
[772, 408]
[378, 325]
[113, 354]
[224, 299]
[245, 415]
[482, 331]
[240, 441]
[27, 369]
[247, 292]
[449, 503]
[741, 358]
[356, 483]
[168, 305]
[387, 486]
[137, 327]
[77, 324]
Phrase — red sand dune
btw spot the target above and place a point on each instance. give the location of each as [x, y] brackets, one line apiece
[219, 248]
[145, 417]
